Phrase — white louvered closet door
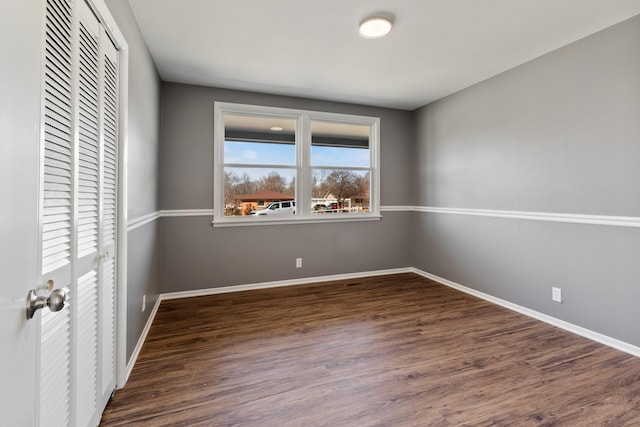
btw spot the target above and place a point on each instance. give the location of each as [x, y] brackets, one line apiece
[79, 194]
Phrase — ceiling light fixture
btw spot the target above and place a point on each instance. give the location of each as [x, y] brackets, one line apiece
[375, 26]
[277, 128]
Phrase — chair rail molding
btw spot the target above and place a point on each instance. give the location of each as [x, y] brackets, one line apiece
[603, 220]
[607, 220]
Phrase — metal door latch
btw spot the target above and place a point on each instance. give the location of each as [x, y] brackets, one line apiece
[55, 301]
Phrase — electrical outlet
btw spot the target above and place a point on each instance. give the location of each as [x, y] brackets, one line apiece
[556, 294]
[144, 302]
[298, 262]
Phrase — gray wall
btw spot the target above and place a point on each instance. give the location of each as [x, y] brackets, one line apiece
[559, 134]
[143, 146]
[197, 255]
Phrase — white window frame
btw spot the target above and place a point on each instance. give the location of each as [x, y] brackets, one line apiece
[303, 167]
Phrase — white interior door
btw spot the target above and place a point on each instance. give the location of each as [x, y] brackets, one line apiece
[78, 215]
[20, 45]
[58, 181]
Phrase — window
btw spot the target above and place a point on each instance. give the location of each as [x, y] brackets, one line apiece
[283, 165]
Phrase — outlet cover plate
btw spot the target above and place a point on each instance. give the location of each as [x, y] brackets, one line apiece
[556, 294]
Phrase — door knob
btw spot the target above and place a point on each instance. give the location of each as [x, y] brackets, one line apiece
[55, 301]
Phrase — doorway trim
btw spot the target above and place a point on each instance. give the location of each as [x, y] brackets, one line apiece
[110, 25]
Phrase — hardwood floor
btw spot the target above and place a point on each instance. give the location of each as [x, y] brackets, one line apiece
[384, 351]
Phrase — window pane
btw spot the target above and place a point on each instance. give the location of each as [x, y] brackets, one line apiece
[259, 140]
[340, 191]
[339, 144]
[268, 159]
[248, 190]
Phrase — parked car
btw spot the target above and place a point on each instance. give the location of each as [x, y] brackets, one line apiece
[335, 207]
[275, 208]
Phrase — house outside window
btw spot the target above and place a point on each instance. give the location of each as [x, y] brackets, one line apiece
[265, 158]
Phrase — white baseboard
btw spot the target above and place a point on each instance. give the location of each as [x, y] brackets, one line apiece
[141, 340]
[594, 336]
[280, 283]
[579, 330]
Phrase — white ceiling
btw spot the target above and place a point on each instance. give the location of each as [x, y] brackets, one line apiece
[311, 48]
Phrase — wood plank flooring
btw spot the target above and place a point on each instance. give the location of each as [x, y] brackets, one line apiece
[395, 350]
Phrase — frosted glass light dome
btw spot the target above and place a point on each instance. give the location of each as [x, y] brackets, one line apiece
[375, 26]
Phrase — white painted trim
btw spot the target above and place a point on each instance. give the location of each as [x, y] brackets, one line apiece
[110, 24]
[186, 212]
[397, 208]
[141, 340]
[280, 283]
[337, 217]
[579, 330]
[142, 220]
[150, 217]
[122, 219]
[303, 167]
[608, 220]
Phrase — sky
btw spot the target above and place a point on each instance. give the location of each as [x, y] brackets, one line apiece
[240, 152]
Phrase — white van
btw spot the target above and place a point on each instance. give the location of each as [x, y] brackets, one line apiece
[276, 208]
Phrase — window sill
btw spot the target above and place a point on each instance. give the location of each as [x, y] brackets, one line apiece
[241, 222]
